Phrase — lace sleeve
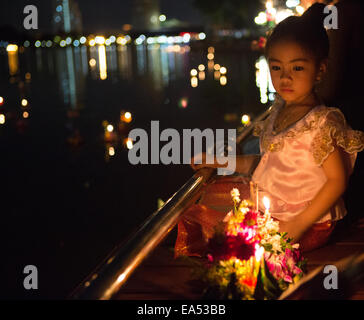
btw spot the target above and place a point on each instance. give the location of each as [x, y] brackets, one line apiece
[332, 132]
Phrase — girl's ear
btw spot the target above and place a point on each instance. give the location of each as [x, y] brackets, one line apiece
[322, 69]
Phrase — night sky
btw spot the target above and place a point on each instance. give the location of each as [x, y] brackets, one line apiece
[96, 15]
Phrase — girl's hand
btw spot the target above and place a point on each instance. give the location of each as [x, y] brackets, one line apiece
[292, 228]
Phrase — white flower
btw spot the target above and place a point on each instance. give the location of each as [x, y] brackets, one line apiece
[235, 194]
[276, 242]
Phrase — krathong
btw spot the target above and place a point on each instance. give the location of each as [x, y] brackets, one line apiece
[248, 258]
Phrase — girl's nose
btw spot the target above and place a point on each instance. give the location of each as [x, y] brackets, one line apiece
[285, 74]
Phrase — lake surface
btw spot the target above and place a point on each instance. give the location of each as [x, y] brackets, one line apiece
[69, 196]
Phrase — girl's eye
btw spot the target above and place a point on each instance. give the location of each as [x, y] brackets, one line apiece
[275, 68]
[297, 68]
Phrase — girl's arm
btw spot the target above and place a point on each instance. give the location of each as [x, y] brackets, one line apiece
[334, 168]
[245, 164]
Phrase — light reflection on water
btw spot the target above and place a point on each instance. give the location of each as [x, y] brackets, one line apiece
[86, 200]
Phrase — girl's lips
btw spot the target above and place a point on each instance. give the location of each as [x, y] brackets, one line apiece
[287, 90]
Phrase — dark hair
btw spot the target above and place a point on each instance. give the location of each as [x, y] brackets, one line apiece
[308, 31]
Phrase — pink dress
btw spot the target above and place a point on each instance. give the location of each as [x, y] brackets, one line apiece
[290, 171]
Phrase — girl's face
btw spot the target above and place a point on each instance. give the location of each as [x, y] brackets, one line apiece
[293, 71]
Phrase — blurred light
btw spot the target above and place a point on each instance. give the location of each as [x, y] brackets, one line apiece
[292, 3]
[102, 62]
[211, 50]
[28, 76]
[127, 27]
[112, 39]
[210, 56]
[162, 39]
[202, 36]
[25, 115]
[76, 43]
[201, 75]
[162, 18]
[151, 40]
[217, 75]
[179, 39]
[142, 36]
[110, 128]
[269, 5]
[111, 151]
[186, 38]
[83, 40]
[283, 14]
[57, 39]
[92, 42]
[121, 40]
[100, 40]
[13, 59]
[217, 67]
[37, 44]
[129, 143]
[1, 100]
[170, 39]
[138, 41]
[153, 19]
[59, 8]
[92, 62]
[2, 118]
[126, 117]
[48, 43]
[245, 119]
[62, 43]
[201, 67]
[127, 38]
[26, 43]
[68, 40]
[24, 102]
[107, 42]
[223, 80]
[193, 72]
[261, 18]
[263, 80]
[300, 10]
[183, 103]
[194, 82]
[223, 70]
[12, 48]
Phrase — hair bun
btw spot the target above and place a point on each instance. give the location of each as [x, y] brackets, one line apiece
[315, 14]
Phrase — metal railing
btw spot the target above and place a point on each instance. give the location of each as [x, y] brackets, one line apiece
[117, 268]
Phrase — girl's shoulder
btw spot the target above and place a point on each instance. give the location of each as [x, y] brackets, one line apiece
[332, 131]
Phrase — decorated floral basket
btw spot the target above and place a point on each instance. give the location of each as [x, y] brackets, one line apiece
[247, 256]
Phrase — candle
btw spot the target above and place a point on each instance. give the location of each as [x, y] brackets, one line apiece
[257, 197]
[267, 206]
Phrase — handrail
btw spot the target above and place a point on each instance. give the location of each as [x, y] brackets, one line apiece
[103, 283]
[111, 275]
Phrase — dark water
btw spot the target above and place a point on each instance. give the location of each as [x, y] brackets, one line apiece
[66, 202]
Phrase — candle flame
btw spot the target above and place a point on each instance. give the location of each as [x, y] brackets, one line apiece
[266, 202]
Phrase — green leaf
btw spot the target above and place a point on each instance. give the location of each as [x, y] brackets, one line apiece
[267, 286]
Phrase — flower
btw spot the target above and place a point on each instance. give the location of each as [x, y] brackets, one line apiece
[235, 194]
[250, 218]
[236, 249]
[232, 246]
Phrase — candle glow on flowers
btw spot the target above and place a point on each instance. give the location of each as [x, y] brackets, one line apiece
[235, 253]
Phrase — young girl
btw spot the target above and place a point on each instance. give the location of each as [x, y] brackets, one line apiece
[307, 149]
